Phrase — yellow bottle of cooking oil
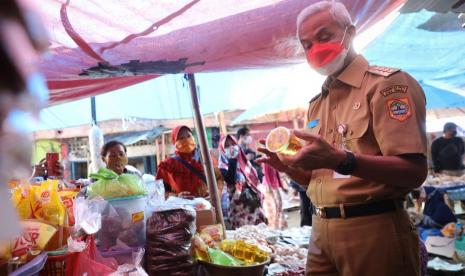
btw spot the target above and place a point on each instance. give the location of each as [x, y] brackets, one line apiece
[248, 253]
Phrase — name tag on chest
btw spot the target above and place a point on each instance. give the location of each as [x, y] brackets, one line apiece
[340, 176]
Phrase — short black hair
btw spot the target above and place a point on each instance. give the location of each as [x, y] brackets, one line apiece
[243, 131]
[111, 144]
[247, 151]
[449, 126]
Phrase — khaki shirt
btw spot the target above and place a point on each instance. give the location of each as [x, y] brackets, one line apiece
[383, 111]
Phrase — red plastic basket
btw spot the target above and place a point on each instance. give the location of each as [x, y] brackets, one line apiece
[56, 265]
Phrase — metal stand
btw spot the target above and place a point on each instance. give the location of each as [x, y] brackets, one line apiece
[209, 171]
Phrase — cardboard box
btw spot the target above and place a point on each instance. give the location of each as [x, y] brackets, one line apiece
[205, 217]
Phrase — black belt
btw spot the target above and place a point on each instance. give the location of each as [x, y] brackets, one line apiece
[351, 211]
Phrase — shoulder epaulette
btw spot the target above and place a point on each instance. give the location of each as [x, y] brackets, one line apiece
[315, 98]
[382, 71]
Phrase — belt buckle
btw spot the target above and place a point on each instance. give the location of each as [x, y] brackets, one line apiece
[320, 212]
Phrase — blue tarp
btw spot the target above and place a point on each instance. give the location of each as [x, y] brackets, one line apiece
[435, 59]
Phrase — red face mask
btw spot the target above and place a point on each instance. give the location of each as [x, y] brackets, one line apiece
[322, 54]
[327, 58]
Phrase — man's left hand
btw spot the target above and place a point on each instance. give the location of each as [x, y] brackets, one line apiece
[316, 154]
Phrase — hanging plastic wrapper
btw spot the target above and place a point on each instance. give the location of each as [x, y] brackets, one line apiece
[95, 144]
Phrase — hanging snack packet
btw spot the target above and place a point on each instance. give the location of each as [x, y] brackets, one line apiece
[22, 199]
[48, 205]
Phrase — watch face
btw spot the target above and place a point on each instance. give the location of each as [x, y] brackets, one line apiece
[348, 165]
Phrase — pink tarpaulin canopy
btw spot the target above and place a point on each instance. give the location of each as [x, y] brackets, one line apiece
[102, 45]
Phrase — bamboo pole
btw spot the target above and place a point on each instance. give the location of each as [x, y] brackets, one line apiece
[223, 128]
[207, 162]
[163, 146]
[157, 150]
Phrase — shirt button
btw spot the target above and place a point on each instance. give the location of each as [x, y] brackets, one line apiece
[318, 181]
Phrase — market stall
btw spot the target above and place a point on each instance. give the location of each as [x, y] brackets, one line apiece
[125, 48]
[110, 57]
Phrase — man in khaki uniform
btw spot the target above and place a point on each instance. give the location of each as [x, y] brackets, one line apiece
[366, 147]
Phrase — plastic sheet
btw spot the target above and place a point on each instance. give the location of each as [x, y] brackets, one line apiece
[248, 34]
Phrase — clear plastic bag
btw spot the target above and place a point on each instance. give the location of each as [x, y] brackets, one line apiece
[123, 224]
[133, 269]
[88, 214]
[155, 191]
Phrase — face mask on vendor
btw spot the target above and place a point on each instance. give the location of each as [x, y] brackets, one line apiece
[116, 159]
[186, 145]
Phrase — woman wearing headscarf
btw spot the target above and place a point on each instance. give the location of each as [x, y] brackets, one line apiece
[273, 203]
[245, 200]
[436, 213]
[183, 173]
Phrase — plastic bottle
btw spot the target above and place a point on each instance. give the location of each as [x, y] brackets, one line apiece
[248, 253]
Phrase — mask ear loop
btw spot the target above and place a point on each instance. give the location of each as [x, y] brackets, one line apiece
[343, 36]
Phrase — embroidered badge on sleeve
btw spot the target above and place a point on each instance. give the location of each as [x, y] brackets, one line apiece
[395, 89]
[399, 109]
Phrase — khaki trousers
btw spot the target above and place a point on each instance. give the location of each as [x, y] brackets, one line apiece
[385, 244]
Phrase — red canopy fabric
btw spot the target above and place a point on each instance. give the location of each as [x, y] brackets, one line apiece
[170, 37]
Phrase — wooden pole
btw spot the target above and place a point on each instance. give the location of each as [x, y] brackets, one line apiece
[157, 150]
[207, 162]
[223, 128]
[163, 147]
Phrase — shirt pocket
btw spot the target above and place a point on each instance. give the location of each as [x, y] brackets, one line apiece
[358, 126]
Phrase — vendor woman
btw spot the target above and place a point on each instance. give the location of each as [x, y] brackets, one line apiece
[183, 173]
[114, 154]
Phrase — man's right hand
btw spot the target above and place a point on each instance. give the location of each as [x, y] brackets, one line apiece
[271, 159]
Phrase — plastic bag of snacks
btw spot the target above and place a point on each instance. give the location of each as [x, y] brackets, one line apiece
[111, 185]
[212, 234]
[200, 249]
[47, 204]
[22, 198]
[36, 235]
[169, 232]
[67, 197]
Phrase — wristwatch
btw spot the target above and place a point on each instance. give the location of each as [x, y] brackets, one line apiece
[348, 165]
